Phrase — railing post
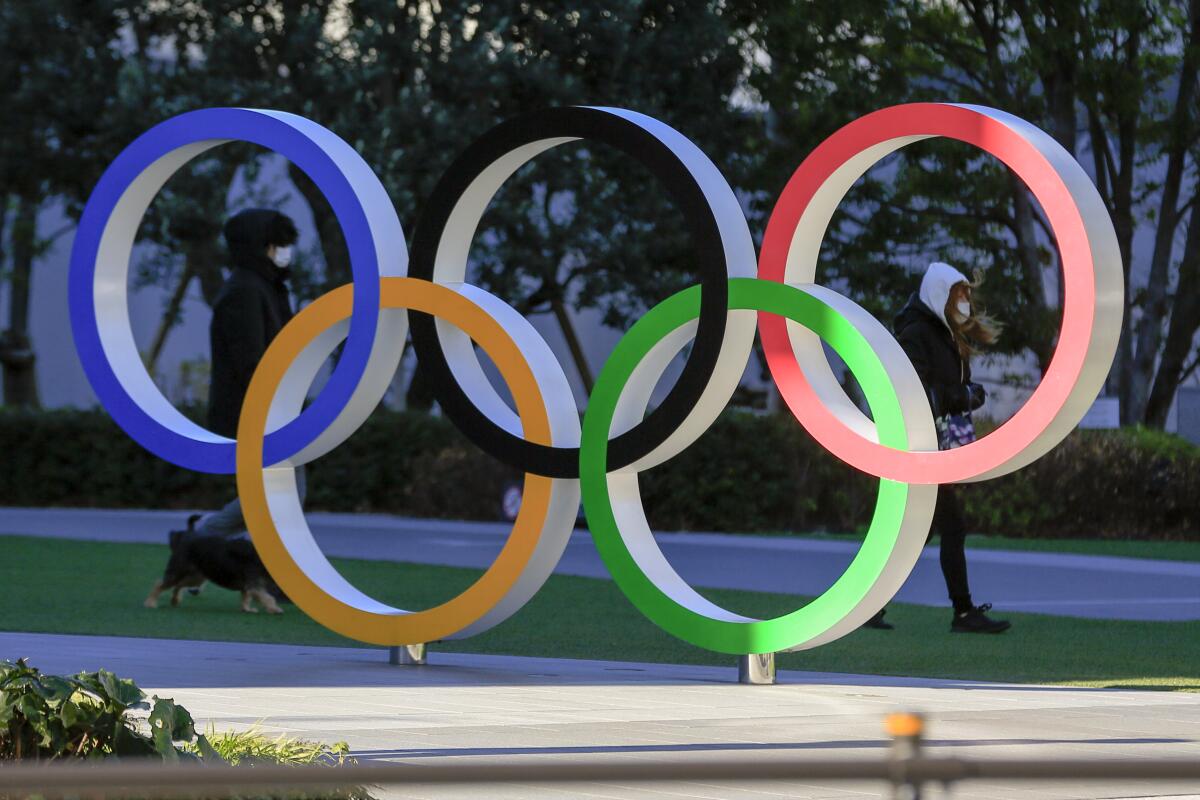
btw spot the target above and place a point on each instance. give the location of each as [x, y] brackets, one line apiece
[906, 730]
[407, 655]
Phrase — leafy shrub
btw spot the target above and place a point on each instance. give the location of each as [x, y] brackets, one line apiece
[764, 473]
[750, 473]
[81, 458]
[46, 717]
[408, 463]
[92, 716]
[403, 463]
[1129, 483]
[746, 473]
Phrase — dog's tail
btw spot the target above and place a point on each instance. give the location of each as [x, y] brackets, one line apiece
[174, 536]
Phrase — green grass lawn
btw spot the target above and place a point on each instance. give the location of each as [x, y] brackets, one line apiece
[97, 588]
[1125, 548]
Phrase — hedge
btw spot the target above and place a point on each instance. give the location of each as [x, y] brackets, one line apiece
[747, 473]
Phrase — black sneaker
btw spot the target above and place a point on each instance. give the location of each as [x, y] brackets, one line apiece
[976, 620]
[876, 622]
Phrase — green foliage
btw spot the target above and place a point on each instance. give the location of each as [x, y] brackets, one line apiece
[580, 226]
[755, 84]
[1112, 81]
[47, 717]
[747, 473]
[253, 747]
[1134, 483]
[405, 463]
[81, 458]
[409, 463]
[93, 715]
[1128, 483]
[728, 482]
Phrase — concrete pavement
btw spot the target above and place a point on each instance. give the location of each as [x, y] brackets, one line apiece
[1063, 584]
[536, 711]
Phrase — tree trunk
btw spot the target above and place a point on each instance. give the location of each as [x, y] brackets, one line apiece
[1128, 125]
[1113, 161]
[16, 349]
[1056, 33]
[1032, 268]
[1156, 307]
[577, 354]
[1185, 321]
[207, 269]
[170, 317]
[1125, 227]
[333, 241]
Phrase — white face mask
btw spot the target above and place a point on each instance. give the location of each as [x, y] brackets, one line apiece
[283, 256]
[964, 308]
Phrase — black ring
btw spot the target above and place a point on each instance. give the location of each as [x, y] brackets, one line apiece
[639, 143]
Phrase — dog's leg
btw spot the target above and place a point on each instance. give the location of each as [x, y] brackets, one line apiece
[152, 598]
[175, 596]
[268, 602]
[248, 604]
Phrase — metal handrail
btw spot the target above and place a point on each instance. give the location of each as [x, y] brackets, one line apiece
[906, 769]
[57, 780]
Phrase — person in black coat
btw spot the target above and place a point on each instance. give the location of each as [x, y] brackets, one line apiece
[939, 331]
[251, 308]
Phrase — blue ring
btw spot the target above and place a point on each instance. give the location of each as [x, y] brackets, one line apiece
[275, 132]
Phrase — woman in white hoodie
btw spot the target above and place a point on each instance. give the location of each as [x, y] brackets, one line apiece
[940, 330]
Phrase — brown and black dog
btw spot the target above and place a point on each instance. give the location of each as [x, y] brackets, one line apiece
[229, 563]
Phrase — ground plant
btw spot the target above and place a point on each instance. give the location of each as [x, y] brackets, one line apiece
[91, 715]
[254, 747]
[98, 715]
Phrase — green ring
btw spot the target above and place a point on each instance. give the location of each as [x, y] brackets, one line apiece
[793, 630]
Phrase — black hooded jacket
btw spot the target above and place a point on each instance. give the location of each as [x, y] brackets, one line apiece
[930, 346]
[252, 307]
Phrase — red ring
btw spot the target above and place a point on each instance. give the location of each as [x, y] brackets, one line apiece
[977, 127]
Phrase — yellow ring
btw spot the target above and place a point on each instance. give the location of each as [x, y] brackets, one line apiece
[382, 624]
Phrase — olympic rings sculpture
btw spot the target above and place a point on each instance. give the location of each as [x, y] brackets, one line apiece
[619, 437]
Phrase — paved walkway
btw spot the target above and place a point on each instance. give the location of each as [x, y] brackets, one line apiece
[1069, 585]
[536, 711]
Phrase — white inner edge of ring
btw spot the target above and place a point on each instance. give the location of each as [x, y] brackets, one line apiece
[111, 292]
[801, 269]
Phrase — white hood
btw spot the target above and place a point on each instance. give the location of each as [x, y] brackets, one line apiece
[935, 287]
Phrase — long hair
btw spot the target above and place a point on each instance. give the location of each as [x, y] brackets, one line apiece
[977, 331]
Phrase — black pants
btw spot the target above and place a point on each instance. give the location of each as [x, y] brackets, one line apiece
[948, 524]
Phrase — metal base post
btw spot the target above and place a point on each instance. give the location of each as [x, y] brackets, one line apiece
[757, 669]
[407, 655]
